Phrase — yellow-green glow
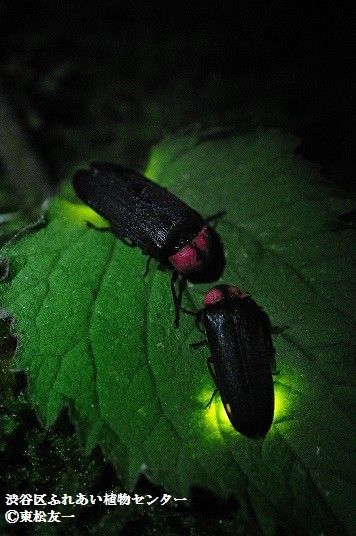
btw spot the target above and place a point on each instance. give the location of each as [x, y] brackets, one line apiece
[154, 163]
[215, 417]
[222, 416]
[282, 401]
[81, 213]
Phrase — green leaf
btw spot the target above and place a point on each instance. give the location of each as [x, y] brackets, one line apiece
[97, 336]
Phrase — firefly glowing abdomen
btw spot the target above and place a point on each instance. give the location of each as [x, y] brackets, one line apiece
[239, 336]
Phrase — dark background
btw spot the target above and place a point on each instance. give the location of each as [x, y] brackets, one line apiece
[109, 80]
[87, 77]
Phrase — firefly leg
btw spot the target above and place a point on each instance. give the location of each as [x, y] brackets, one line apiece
[216, 133]
[198, 326]
[101, 229]
[207, 406]
[182, 284]
[148, 262]
[215, 217]
[210, 363]
[126, 241]
[211, 370]
[198, 344]
[270, 353]
[187, 312]
[211, 399]
[177, 298]
[274, 370]
[277, 330]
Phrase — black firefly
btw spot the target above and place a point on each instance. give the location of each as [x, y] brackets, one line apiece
[157, 221]
[238, 333]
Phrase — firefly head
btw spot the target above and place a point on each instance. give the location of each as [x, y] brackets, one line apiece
[223, 293]
[192, 257]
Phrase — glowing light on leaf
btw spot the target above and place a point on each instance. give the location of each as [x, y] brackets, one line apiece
[282, 402]
[215, 416]
[77, 212]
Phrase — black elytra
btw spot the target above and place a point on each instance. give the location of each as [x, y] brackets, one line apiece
[155, 220]
[238, 333]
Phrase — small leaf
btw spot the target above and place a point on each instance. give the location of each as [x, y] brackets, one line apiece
[97, 336]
